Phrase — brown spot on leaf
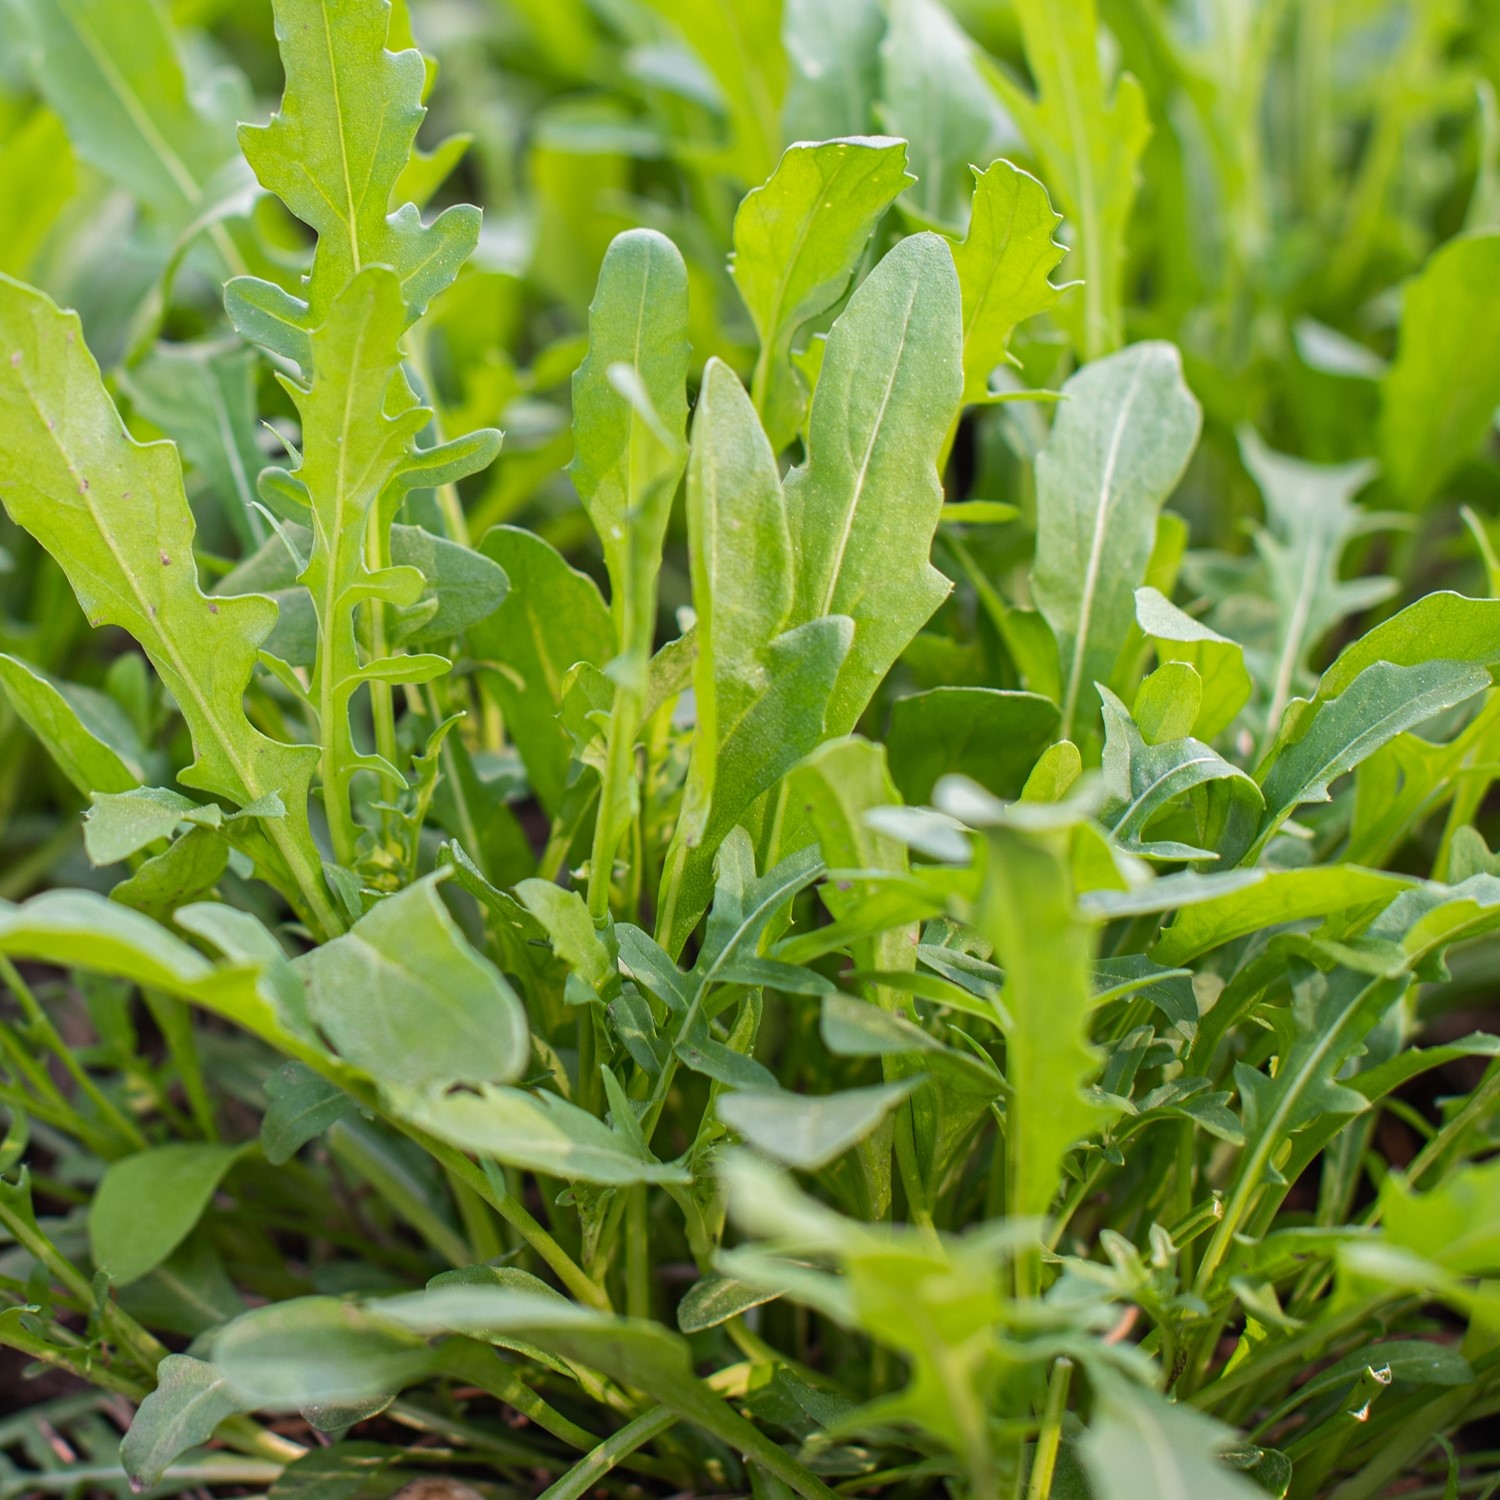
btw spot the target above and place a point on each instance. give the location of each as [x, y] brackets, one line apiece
[166, 561]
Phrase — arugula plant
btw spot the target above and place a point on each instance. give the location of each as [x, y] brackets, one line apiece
[899, 991]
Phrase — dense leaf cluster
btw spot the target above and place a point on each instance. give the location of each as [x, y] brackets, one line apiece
[886, 894]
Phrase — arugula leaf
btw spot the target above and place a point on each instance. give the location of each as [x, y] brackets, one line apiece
[1003, 261]
[797, 240]
[1439, 396]
[1089, 140]
[113, 512]
[1124, 433]
[865, 504]
[933, 92]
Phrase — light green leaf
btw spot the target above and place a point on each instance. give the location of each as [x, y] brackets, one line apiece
[833, 47]
[1380, 703]
[315, 1351]
[627, 464]
[86, 732]
[1003, 265]
[202, 396]
[337, 147]
[854, 1028]
[114, 514]
[575, 939]
[1141, 780]
[1279, 896]
[552, 618]
[1438, 398]
[1088, 138]
[359, 422]
[538, 1132]
[809, 1131]
[38, 177]
[865, 505]
[1218, 661]
[112, 71]
[714, 1300]
[1441, 626]
[1123, 435]
[1310, 520]
[934, 93]
[403, 996]
[190, 1400]
[797, 240]
[990, 735]
[119, 824]
[741, 560]
[126, 1239]
[1142, 1444]
[1026, 909]
[739, 43]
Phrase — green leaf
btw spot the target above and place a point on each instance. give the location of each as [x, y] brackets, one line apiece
[84, 731]
[186, 871]
[1026, 909]
[1088, 140]
[114, 514]
[865, 505]
[191, 1398]
[1003, 265]
[1455, 1225]
[1218, 661]
[552, 617]
[797, 240]
[403, 996]
[202, 396]
[714, 1300]
[1380, 703]
[1141, 780]
[934, 93]
[1441, 626]
[1277, 897]
[1142, 1444]
[1310, 520]
[738, 42]
[302, 1105]
[176, 1181]
[741, 557]
[759, 693]
[810, 1131]
[833, 48]
[630, 453]
[112, 71]
[992, 736]
[466, 587]
[538, 1132]
[119, 824]
[313, 1351]
[575, 939]
[1123, 435]
[335, 150]
[1438, 399]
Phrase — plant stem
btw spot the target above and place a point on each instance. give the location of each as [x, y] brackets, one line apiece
[583, 1476]
[1049, 1437]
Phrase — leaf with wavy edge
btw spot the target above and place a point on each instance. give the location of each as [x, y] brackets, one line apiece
[114, 514]
[864, 507]
[337, 147]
